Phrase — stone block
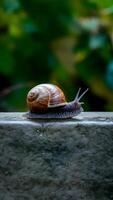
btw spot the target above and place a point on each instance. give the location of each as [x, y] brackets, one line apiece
[56, 159]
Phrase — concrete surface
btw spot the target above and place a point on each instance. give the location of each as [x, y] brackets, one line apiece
[56, 159]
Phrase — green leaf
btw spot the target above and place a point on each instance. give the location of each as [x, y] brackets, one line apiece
[104, 3]
[6, 61]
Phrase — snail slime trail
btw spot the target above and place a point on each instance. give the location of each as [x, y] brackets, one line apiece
[48, 101]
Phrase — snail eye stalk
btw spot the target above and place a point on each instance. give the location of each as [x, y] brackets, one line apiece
[78, 98]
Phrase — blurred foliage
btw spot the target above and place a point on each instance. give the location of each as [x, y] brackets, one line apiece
[65, 42]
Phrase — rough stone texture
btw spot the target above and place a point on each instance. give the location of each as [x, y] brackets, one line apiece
[56, 160]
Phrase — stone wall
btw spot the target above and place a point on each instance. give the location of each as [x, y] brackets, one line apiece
[56, 160]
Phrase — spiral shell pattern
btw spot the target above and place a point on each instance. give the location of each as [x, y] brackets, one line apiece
[45, 96]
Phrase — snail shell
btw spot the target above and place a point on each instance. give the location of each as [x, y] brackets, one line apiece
[48, 101]
[45, 96]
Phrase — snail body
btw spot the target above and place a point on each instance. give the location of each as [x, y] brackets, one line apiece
[48, 101]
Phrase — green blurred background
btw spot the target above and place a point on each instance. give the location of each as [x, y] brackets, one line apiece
[65, 42]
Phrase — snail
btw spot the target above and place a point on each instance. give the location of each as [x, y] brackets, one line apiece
[48, 101]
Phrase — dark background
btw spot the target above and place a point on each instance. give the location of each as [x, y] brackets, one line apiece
[64, 42]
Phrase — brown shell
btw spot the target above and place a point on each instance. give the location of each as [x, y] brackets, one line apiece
[45, 96]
